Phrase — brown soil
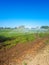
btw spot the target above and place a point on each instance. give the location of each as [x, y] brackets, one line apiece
[21, 53]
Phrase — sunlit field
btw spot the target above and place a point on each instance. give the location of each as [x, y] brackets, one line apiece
[24, 32]
[14, 43]
[11, 37]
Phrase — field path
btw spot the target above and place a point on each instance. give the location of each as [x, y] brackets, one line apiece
[21, 53]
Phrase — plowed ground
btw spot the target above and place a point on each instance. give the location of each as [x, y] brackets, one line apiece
[21, 53]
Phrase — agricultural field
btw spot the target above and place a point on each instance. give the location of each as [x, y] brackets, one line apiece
[9, 37]
[20, 47]
[24, 32]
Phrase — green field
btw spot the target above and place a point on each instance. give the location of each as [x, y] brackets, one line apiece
[9, 37]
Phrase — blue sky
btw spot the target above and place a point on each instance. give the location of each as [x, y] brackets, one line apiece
[30, 13]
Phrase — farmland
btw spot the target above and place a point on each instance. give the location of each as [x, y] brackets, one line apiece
[16, 43]
[7, 38]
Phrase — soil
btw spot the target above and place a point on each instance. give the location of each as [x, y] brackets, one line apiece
[29, 53]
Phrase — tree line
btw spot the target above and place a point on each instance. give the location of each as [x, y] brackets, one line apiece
[42, 27]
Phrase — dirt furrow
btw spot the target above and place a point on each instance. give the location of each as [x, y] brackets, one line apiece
[19, 50]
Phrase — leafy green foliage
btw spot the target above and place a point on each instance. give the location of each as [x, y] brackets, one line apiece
[45, 27]
[9, 38]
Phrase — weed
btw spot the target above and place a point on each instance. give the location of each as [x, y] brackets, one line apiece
[25, 63]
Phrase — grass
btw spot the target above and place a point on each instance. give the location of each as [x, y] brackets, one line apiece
[42, 35]
[47, 42]
[25, 63]
[9, 38]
